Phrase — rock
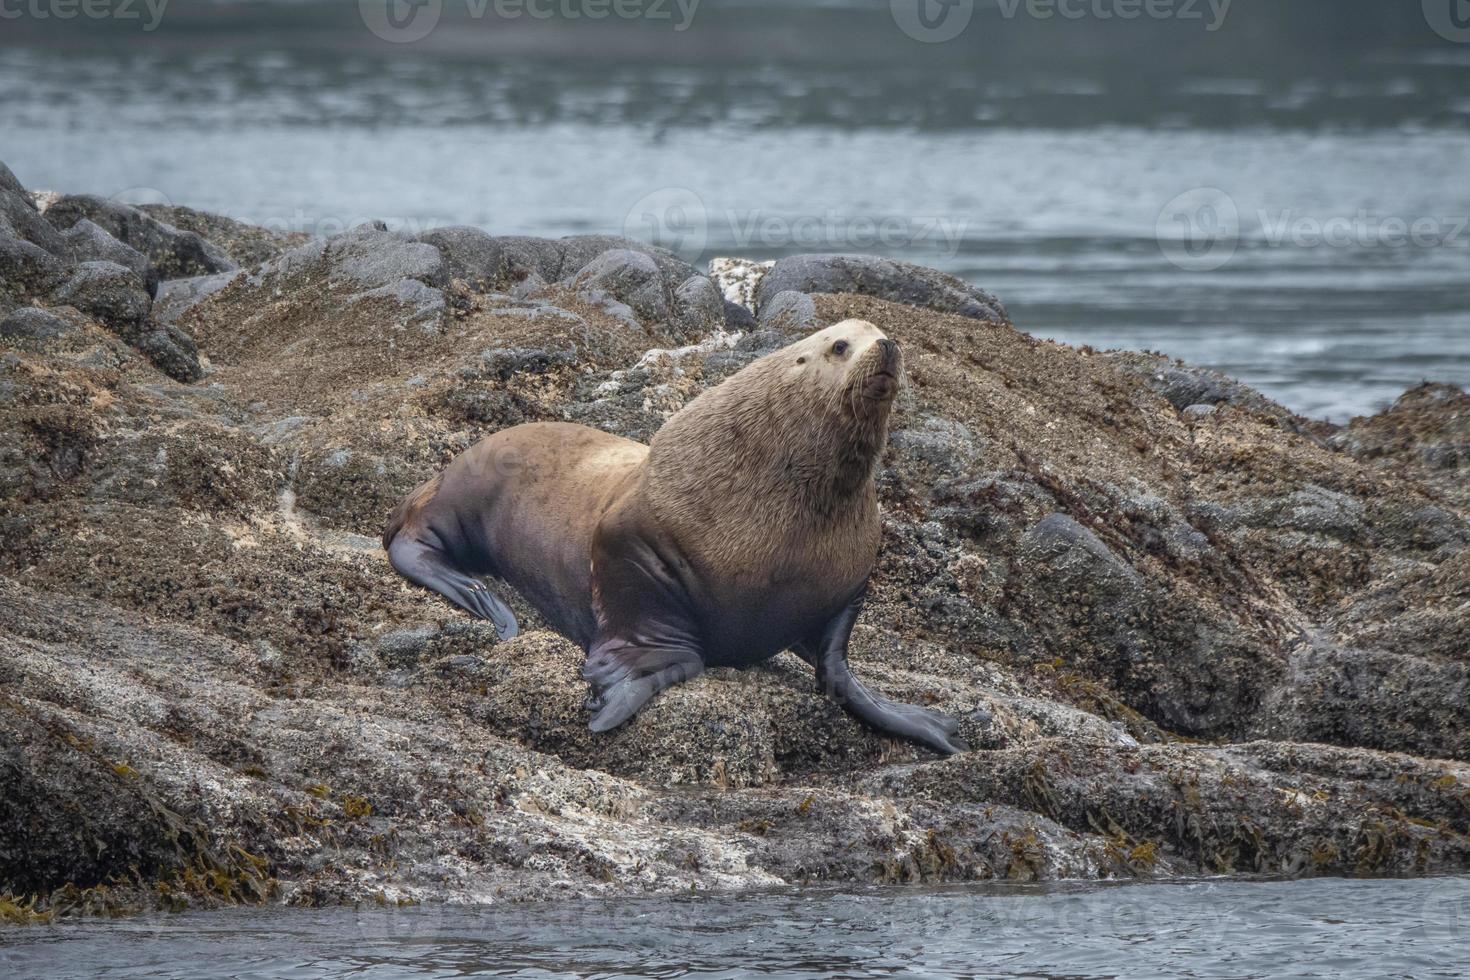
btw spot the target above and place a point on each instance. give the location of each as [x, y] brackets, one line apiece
[1195, 390]
[367, 257]
[490, 263]
[115, 296]
[698, 307]
[531, 260]
[484, 262]
[177, 297]
[790, 313]
[110, 292]
[423, 303]
[1313, 509]
[175, 254]
[207, 665]
[629, 277]
[737, 279]
[580, 250]
[899, 282]
[1073, 552]
[738, 318]
[1372, 698]
[19, 219]
[34, 325]
[173, 351]
[1427, 429]
[371, 257]
[9, 182]
[246, 244]
[87, 242]
[69, 815]
[26, 271]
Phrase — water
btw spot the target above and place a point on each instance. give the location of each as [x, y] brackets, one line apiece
[1317, 928]
[1282, 198]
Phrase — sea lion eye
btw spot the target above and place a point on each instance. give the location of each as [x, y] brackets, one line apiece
[801, 360]
[839, 348]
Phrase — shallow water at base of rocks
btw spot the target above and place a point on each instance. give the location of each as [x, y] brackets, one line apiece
[1309, 928]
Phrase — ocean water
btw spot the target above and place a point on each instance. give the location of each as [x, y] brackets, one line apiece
[1347, 930]
[1282, 197]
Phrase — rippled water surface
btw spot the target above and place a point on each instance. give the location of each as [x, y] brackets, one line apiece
[1319, 928]
[1283, 198]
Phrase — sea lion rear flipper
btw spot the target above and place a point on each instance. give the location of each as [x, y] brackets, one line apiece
[423, 565]
[828, 653]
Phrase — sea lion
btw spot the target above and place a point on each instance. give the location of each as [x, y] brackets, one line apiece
[749, 526]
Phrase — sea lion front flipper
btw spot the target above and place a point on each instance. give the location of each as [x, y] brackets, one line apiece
[424, 565]
[625, 677]
[647, 640]
[828, 653]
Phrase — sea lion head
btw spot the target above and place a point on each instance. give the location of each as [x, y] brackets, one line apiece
[800, 430]
[858, 367]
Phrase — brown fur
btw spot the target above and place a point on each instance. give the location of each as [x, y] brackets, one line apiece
[409, 507]
[749, 526]
[770, 474]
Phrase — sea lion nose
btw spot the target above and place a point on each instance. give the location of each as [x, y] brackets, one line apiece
[890, 354]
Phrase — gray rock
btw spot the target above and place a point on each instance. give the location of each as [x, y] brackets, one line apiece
[173, 352]
[738, 318]
[69, 815]
[528, 259]
[176, 297]
[176, 254]
[115, 296]
[629, 277]
[504, 363]
[488, 263]
[111, 293]
[942, 448]
[1194, 390]
[698, 306]
[244, 243]
[35, 325]
[27, 270]
[900, 282]
[368, 257]
[89, 242]
[20, 219]
[1312, 509]
[579, 250]
[9, 182]
[788, 312]
[403, 647]
[373, 258]
[475, 256]
[423, 302]
[1073, 551]
[1372, 698]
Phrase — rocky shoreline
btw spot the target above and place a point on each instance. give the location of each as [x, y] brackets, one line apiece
[1213, 637]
